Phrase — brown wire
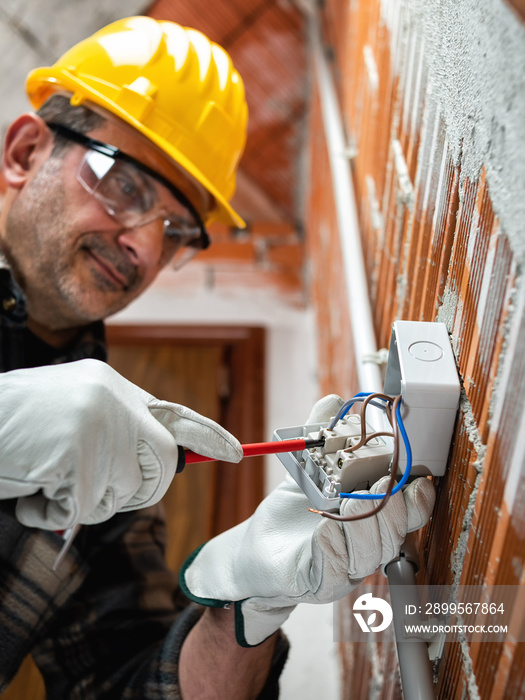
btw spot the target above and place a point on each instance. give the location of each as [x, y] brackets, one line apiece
[373, 435]
[393, 473]
[388, 411]
[362, 413]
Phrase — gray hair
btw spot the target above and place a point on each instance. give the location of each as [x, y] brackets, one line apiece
[59, 110]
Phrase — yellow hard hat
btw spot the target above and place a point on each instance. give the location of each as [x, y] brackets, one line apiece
[173, 85]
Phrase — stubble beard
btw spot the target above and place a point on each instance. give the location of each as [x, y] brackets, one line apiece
[43, 257]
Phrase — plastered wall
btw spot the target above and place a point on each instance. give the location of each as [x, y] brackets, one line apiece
[432, 97]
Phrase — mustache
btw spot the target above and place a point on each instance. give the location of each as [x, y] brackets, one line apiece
[116, 258]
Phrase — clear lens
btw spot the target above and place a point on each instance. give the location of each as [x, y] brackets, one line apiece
[135, 199]
[92, 169]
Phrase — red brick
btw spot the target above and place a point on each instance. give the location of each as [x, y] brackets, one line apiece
[230, 251]
[286, 256]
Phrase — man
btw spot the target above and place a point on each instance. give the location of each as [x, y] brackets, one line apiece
[134, 146]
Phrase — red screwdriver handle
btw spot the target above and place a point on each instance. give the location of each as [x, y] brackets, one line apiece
[255, 449]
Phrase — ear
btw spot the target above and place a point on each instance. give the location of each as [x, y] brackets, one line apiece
[28, 143]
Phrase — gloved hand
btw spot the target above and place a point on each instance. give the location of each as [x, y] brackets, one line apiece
[284, 554]
[78, 443]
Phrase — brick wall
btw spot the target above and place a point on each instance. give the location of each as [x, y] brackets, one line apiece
[432, 98]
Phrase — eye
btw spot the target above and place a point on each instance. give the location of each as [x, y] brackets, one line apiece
[126, 189]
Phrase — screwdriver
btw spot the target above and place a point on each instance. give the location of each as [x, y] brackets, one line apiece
[256, 449]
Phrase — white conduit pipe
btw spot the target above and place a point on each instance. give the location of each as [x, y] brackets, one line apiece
[414, 666]
[356, 285]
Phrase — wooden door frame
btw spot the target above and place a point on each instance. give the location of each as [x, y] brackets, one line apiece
[237, 488]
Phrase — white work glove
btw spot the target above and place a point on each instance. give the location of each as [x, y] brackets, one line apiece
[78, 443]
[284, 554]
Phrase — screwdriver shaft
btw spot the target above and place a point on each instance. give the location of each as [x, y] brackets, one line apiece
[256, 449]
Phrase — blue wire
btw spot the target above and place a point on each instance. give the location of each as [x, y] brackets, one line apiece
[404, 478]
[341, 413]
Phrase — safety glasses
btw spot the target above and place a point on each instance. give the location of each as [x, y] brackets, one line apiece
[135, 195]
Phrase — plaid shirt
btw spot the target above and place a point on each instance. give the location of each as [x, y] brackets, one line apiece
[110, 622]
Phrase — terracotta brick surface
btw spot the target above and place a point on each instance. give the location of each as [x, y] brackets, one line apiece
[443, 238]
[286, 256]
[327, 283]
[434, 250]
[229, 250]
[453, 684]
[440, 538]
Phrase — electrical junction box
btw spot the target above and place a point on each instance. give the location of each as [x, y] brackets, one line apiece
[421, 367]
[324, 472]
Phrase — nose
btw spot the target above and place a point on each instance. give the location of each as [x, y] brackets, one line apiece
[144, 244]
